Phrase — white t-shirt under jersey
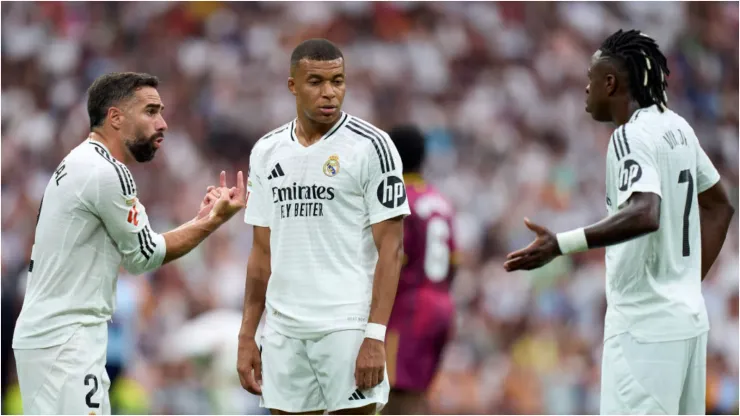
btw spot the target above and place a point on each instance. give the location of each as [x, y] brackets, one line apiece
[653, 285]
[319, 203]
[90, 223]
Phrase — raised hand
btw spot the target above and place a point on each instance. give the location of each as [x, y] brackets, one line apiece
[230, 200]
[541, 251]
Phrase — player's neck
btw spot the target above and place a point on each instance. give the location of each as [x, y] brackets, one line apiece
[309, 132]
[622, 112]
[115, 147]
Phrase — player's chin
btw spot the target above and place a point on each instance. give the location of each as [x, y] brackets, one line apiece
[143, 157]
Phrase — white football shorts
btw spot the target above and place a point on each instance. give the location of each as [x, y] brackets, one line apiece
[654, 377]
[66, 379]
[310, 375]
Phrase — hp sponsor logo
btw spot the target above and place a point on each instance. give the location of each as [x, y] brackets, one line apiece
[391, 192]
[629, 173]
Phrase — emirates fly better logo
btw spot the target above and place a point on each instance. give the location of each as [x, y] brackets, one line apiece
[392, 192]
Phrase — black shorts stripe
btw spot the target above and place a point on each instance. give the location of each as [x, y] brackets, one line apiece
[624, 137]
[129, 178]
[375, 144]
[141, 246]
[382, 139]
[148, 234]
[359, 393]
[99, 150]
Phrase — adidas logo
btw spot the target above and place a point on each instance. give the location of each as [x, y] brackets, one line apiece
[277, 172]
[357, 395]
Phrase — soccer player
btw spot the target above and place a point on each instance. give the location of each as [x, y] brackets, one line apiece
[423, 314]
[89, 224]
[327, 201]
[668, 216]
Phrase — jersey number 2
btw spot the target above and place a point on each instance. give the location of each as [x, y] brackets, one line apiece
[437, 256]
[685, 177]
[88, 398]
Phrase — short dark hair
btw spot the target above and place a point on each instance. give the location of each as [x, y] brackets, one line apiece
[314, 50]
[110, 89]
[646, 65]
[409, 141]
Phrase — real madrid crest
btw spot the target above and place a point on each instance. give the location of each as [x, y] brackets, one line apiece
[331, 167]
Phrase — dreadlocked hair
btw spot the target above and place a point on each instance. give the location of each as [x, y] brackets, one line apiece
[645, 63]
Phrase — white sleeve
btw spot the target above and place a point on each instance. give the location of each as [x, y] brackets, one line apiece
[706, 174]
[112, 197]
[258, 200]
[383, 187]
[637, 165]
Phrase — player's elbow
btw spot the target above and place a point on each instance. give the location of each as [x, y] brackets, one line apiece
[652, 225]
[646, 218]
[728, 211]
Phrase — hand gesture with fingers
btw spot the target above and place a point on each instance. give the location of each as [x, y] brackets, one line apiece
[212, 195]
[230, 200]
[541, 251]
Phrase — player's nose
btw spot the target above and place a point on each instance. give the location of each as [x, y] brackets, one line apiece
[327, 91]
[160, 125]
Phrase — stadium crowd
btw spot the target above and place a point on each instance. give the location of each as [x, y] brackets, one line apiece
[499, 89]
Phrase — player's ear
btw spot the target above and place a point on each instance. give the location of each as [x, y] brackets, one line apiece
[291, 86]
[116, 117]
[611, 84]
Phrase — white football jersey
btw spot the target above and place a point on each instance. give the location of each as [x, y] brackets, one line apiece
[653, 285]
[89, 224]
[319, 203]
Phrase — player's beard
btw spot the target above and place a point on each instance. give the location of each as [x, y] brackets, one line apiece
[142, 148]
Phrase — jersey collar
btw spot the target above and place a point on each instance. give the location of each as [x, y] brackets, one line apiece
[651, 109]
[340, 122]
[91, 140]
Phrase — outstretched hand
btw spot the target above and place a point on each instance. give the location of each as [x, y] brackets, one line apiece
[541, 251]
[230, 200]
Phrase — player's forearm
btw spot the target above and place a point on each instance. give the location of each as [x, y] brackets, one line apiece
[637, 219]
[385, 284]
[185, 225]
[715, 222]
[255, 290]
[183, 239]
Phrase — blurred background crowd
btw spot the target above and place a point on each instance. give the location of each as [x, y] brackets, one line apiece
[499, 89]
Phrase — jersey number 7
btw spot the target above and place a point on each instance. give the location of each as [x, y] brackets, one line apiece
[684, 177]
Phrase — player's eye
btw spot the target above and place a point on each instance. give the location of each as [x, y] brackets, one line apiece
[338, 81]
[314, 82]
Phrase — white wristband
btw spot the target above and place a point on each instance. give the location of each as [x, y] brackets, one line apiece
[375, 331]
[572, 241]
